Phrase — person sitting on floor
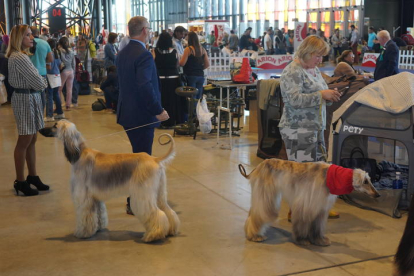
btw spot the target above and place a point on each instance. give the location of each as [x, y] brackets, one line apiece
[110, 88]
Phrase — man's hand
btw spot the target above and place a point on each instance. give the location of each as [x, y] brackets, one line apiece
[163, 116]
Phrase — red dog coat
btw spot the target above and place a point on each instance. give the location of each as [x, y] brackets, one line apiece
[339, 180]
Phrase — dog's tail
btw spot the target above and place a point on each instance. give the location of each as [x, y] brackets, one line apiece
[171, 152]
[404, 259]
[243, 171]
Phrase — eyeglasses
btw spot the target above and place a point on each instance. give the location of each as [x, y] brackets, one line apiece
[146, 28]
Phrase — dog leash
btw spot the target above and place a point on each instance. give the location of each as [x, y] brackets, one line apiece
[122, 131]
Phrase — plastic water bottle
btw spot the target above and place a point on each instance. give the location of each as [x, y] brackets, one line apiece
[397, 183]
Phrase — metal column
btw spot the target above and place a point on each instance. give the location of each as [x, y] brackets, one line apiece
[220, 9]
[99, 15]
[234, 14]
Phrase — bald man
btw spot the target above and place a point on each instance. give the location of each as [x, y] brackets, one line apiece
[387, 62]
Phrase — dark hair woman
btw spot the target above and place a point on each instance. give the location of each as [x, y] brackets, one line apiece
[166, 61]
[52, 93]
[27, 108]
[110, 50]
[194, 61]
[67, 74]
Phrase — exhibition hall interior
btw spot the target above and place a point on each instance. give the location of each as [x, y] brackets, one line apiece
[207, 137]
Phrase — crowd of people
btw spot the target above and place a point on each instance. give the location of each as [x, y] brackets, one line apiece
[144, 69]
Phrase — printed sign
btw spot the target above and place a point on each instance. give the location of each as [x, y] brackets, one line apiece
[273, 62]
[370, 60]
[301, 30]
[352, 129]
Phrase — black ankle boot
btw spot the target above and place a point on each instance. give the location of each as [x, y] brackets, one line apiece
[35, 180]
[24, 187]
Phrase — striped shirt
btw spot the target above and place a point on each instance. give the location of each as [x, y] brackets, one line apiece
[23, 74]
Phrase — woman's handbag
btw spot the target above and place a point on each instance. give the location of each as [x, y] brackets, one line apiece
[367, 164]
[54, 80]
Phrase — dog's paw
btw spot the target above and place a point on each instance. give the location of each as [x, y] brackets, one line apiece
[324, 241]
[257, 238]
[172, 232]
[303, 242]
[153, 236]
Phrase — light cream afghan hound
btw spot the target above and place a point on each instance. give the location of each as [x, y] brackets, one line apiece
[303, 186]
[97, 177]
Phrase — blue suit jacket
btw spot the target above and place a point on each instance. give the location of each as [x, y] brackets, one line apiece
[388, 66]
[139, 95]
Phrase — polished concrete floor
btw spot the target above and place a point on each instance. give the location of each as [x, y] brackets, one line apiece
[210, 197]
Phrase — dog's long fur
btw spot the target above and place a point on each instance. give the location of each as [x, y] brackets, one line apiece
[97, 177]
[303, 186]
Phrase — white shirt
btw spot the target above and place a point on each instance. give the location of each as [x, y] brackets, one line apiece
[267, 39]
[354, 36]
[178, 46]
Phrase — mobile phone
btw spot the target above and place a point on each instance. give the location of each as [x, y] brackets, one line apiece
[343, 90]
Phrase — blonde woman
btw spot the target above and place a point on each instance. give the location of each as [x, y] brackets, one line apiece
[27, 108]
[305, 95]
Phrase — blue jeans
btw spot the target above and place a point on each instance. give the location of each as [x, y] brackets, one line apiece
[53, 95]
[197, 82]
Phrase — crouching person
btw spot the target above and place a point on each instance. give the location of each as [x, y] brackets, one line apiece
[110, 89]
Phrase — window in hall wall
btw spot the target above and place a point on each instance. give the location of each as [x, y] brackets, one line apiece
[339, 3]
[312, 25]
[291, 24]
[353, 18]
[280, 5]
[313, 4]
[326, 27]
[313, 17]
[356, 2]
[291, 5]
[301, 15]
[339, 21]
[302, 4]
[269, 10]
[325, 3]
[251, 10]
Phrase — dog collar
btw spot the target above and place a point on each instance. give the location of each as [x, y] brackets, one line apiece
[339, 180]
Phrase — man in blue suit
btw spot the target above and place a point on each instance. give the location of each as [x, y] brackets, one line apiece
[139, 102]
[387, 62]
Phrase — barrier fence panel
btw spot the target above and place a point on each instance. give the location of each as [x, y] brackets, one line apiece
[406, 60]
[220, 64]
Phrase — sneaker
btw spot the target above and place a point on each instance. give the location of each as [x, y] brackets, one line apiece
[60, 116]
[49, 119]
[333, 214]
[75, 105]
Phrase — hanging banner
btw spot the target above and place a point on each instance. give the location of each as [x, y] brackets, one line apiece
[370, 60]
[273, 61]
[301, 29]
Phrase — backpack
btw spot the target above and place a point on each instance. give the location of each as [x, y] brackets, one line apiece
[99, 105]
[280, 43]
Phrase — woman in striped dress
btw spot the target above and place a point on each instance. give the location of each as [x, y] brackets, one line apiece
[27, 108]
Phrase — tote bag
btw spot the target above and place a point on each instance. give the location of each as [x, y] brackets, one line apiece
[54, 80]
